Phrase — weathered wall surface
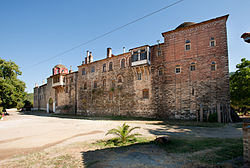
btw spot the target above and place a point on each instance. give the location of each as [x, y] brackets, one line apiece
[189, 94]
[111, 96]
[180, 95]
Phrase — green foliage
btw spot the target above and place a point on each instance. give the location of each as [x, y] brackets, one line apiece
[240, 86]
[123, 133]
[12, 92]
[213, 117]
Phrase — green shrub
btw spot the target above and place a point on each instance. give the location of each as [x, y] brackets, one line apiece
[123, 133]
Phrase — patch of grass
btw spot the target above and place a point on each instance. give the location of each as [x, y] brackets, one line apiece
[194, 144]
[115, 142]
[228, 150]
[191, 123]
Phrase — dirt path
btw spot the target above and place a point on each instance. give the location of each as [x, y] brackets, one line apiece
[21, 133]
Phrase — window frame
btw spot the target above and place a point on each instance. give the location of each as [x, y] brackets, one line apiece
[187, 44]
[177, 67]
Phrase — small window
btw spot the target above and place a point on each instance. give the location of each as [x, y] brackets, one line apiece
[159, 53]
[104, 82]
[123, 63]
[192, 91]
[85, 86]
[110, 66]
[188, 45]
[213, 66]
[57, 71]
[192, 67]
[104, 68]
[177, 69]
[139, 76]
[212, 42]
[83, 71]
[145, 93]
[160, 72]
[95, 84]
[110, 96]
[119, 79]
[92, 69]
[63, 71]
[66, 89]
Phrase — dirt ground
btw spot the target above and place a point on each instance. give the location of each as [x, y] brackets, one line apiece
[24, 134]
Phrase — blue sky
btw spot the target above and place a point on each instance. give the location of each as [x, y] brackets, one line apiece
[32, 31]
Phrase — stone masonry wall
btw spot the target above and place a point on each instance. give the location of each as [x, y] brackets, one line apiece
[113, 97]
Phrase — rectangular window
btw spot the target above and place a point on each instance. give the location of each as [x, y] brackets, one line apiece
[83, 71]
[92, 69]
[178, 69]
[135, 56]
[192, 91]
[110, 66]
[139, 76]
[192, 67]
[143, 55]
[187, 47]
[145, 93]
[212, 42]
[213, 67]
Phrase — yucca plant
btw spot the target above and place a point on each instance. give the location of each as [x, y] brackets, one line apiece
[124, 132]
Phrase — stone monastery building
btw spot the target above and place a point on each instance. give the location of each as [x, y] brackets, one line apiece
[186, 77]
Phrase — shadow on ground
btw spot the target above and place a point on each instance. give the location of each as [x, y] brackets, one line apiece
[133, 156]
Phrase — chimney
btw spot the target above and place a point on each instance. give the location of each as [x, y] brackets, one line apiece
[124, 50]
[43, 82]
[36, 85]
[87, 61]
[90, 57]
[109, 52]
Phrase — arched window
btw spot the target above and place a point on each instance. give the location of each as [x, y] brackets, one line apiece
[110, 66]
[123, 63]
[119, 79]
[192, 66]
[104, 68]
[213, 66]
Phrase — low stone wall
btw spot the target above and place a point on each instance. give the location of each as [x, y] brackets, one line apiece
[246, 141]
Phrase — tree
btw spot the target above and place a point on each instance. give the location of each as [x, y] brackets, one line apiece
[123, 132]
[240, 86]
[12, 92]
